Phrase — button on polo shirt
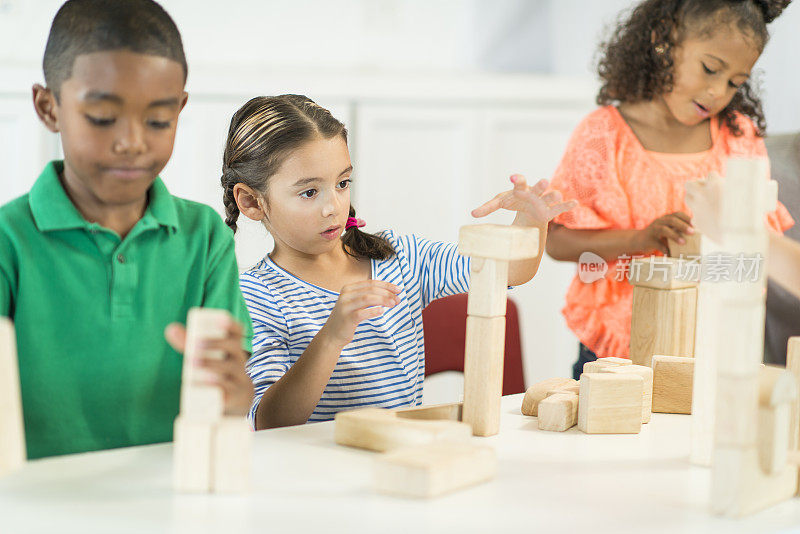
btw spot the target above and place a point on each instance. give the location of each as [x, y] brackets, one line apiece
[90, 310]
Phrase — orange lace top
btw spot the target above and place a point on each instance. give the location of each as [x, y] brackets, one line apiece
[620, 185]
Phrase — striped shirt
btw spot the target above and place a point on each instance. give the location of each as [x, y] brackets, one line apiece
[384, 365]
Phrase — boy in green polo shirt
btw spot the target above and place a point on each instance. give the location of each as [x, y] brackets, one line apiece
[99, 258]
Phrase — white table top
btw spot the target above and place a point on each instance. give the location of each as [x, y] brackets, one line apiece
[546, 482]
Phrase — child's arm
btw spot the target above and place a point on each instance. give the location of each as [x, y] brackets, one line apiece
[292, 399]
[566, 244]
[535, 206]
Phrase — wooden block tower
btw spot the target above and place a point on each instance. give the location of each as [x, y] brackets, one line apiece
[212, 451]
[12, 430]
[490, 248]
[753, 424]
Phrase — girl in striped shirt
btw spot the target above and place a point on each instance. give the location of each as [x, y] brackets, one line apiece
[337, 313]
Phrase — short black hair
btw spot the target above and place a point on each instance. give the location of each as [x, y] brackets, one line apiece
[87, 26]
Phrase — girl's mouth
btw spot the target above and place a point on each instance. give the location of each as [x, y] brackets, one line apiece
[701, 110]
[331, 233]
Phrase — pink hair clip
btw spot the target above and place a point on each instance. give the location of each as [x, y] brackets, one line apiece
[353, 222]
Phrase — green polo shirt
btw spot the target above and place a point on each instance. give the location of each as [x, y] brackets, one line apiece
[90, 311]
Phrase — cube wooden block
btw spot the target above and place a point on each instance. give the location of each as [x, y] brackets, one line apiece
[569, 388]
[661, 272]
[647, 394]
[12, 430]
[672, 384]
[435, 469]
[690, 249]
[558, 412]
[382, 430]
[662, 322]
[488, 285]
[601, 363]
[498, 242]
[192, 455]
[610, 403]
[483, 374]
[539, 391]
[233, 452]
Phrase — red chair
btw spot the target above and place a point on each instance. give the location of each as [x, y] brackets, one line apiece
[445, 325]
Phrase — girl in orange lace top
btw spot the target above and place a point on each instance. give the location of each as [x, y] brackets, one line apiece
[676, 103]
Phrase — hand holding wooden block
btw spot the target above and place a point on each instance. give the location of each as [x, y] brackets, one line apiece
[610, 403]
[558, 412]
[538, 392]
[672, 384]
[199, 399]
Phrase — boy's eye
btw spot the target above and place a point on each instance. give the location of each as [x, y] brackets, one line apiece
[159, 125]
[99, 121]
[708, 71]
[308, 193]
[344, 184]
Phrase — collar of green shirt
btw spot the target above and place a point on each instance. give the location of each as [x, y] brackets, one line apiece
[53, 210]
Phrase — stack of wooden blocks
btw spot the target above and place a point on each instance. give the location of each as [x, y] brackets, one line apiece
[212, 451]
[12, 430]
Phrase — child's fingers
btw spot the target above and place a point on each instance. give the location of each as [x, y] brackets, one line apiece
[552, 197]
[679, 225]
[558, 209]
[175, 334]
[231, 346]
[540, 187]
[667, 232]
[492, 205]
[368, 313]
[368, 300]
[370, 284]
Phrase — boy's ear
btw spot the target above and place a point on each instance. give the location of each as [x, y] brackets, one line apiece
[247, 201]
[44, 102]
[184, 99]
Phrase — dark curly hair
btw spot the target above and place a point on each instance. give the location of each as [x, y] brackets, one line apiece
[636, 61]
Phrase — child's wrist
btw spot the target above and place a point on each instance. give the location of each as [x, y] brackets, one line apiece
[328, 340]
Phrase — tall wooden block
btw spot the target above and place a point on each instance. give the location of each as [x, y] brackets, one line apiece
[610, 403]
[483, 374]
[488, 284]
[647, 391]
[601, 363]
[498, 242]
[193, 455]
[199, 399]
[12, 430]
[233, 451]
[661, 272]
[672, 384]
[435, 469]
[539, 391]
[662, 322]
[558, 412]
[793, 366]
[690, 249]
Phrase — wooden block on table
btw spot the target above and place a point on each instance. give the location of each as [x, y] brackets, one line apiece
[12, 429]
[661, 272]
[435, 469]
[488, 285]
[192, 455]
[558, 412]
[569, 388]
[776, 399]
[382, 430]
[610, 403]
[690, 249]
[450, 411]
[538, 392]
[672, 384]
[232, 455]
[601, 363]
[498, 242]
[662, 322]
[483, 374]
[647, 394]
[199, 399]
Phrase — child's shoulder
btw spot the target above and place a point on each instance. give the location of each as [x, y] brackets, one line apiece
[604, 122]
[16, 215]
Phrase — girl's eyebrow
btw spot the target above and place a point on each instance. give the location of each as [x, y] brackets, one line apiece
[306, 181]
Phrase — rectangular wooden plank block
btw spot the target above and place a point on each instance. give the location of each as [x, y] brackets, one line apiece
[662, 272]
[610, 403]
[450, 411]
[662, 322]
[488, 286]
[192, 455]
[539, 391]
[672, 384]
[498, 242]
[558, 412]
[381, 430]
[233, 455]
[198, 399]
[12, 429]
[435, 469]
[647, 394]
[483, 374]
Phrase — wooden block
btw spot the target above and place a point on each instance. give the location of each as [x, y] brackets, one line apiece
[672, 384]
[647, 376]
[192, 455]
[232, 455]
[382, 430]
[601, 363]
[690, 249]
[199, 399]
[12, 430]
[538, 392]
[793, 366]
[569, 388]
[776, 399]
[488, 285]
[662, 322]
[450, 411]
[483, 374]
[435, 469]
[661, 272]
[610, 403]
[558, 412]
[498, 242]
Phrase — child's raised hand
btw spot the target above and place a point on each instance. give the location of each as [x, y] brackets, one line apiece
[534, 203]
[358, 302]
[670, 226]
[237, 388]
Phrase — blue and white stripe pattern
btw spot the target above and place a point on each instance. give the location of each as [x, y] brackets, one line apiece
[384, 365]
